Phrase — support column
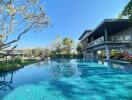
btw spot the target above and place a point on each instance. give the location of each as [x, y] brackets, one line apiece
[92, 52]
[107, 53]
[84, 55]
[106, 35]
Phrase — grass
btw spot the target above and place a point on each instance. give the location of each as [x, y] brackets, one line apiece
[5, 66]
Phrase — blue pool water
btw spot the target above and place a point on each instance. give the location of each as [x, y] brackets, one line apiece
[68, 80]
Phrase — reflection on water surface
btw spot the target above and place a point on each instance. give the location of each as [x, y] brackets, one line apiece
[68, 80]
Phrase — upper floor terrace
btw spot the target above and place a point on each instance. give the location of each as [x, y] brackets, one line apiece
[115, 31]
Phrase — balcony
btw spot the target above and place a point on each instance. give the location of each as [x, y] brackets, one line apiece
[95, 42]
[112, 39]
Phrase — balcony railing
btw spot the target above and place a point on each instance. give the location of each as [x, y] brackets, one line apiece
[101, 40]
[95, 42]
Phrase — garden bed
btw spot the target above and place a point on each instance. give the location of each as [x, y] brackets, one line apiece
[10, 65]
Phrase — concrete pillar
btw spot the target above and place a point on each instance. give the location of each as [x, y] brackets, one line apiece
[106, 35]
[84, 55]
[107, 53]
[92, 54]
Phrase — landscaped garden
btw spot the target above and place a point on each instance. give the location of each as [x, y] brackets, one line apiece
[16, 64]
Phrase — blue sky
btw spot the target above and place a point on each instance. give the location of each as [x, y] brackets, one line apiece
[70, 18]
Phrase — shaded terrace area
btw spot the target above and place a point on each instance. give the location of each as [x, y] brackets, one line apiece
[106, 30]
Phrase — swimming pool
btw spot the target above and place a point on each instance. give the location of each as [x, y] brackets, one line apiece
[68, 80]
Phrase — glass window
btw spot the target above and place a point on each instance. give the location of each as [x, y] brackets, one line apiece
[127, 38]
[117, 38]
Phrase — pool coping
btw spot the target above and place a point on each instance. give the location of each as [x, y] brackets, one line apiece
[119, 61]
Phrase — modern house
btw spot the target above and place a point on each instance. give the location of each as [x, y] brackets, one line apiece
[111, 34]
[8, 54]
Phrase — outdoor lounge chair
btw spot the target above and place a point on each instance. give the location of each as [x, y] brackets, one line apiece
[127, 56]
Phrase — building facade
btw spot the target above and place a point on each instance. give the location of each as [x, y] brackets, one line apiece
[111, 34]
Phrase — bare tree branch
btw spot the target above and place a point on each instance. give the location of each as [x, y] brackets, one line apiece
[16, 15]
[19, 36]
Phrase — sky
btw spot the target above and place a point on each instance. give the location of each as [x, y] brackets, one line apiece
[70, 18]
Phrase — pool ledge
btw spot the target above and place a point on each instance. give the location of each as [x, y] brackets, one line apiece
[119, 61]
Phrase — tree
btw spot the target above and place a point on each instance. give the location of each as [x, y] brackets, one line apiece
[79, 48]
[120, 16]
[46, 52]
[19, 17]
[28, 53]
[68, 42]
[57, 44]
[36, 52]
[127, 12]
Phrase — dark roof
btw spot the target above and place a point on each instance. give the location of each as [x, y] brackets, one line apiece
[84, 33]
[112, 25]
